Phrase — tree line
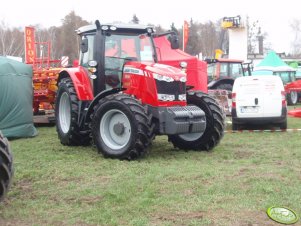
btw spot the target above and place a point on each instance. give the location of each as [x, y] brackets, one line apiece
[203, 38]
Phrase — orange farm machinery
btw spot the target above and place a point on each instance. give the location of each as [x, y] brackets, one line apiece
[45, 72]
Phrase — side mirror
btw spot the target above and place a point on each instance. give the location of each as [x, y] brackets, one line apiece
[84, 45]
[174, 41]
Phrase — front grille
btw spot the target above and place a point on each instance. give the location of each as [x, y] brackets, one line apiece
[172, 88]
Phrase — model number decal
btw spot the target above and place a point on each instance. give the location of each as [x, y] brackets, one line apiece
[133, 71]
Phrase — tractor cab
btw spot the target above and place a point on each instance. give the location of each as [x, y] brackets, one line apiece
[109, 47]
[224, 68]
[223, 72]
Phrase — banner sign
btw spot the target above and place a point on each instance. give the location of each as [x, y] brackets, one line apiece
[29, 45]
[185, 34]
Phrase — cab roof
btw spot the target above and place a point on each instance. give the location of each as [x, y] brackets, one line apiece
[135, 28]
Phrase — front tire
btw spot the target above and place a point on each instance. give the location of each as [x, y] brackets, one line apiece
[66, 115]
[121, 127]
[215, 125]
[6, 166]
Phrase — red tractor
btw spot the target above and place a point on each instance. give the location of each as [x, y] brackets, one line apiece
[121, 97]
[223, 72]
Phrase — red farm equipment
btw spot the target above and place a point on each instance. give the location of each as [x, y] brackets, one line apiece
[45, 74]
[122, 96]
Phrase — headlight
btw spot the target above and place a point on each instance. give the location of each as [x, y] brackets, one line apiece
[92, 63]
[183, 64]
[166, 97]
[162, 78]
[105, 28]
[183, 79]
[182, 97]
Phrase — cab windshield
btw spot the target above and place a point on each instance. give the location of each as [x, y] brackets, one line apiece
[120, 49]
[132, 47]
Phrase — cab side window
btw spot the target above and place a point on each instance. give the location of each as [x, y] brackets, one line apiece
[86, 56]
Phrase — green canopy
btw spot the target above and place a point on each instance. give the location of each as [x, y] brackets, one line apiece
[271, 63]
[16, 95]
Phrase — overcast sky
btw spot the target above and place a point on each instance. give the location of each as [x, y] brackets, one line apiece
[274, 16]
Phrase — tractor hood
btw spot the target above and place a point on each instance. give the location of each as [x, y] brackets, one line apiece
[154, 68]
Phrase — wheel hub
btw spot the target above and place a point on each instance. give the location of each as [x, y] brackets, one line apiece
[119, 128]
[115, 129]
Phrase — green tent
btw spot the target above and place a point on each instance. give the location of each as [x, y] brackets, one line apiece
[270, 64]
[16, 95]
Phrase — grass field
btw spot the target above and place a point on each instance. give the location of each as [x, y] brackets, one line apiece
[232, 185]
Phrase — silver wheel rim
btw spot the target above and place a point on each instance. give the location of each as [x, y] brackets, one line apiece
[109, 121]
[294, 97]
[64, 113]
[190, 136]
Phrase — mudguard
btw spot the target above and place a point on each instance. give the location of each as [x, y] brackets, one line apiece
[82, 84]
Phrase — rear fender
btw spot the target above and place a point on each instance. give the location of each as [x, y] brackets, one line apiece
[80, 78]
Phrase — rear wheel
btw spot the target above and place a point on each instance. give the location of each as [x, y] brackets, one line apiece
[6, 166]
[66, 114]
[292, 98]
[215, 125]
[121, 127]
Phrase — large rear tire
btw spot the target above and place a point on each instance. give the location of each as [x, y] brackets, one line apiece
[66, 115]
[6, 166]
[215, 125]
[121, 127]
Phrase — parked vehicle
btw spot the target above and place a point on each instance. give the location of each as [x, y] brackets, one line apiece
[259, 100]
[122, 97]
[223, 72]
[272, 64]
[6, 166]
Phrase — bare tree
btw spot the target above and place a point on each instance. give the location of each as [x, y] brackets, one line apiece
[296, 44]
[210, 38]
[135, 19]
[11, 41]
[256, 38]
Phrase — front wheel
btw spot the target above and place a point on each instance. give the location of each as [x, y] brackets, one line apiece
[215, 125]
[121, 127]
[66, 115]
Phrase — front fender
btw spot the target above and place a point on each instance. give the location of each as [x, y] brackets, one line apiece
[80, 78]
[97, 98]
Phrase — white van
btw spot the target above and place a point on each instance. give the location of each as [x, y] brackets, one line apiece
[259, 99]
